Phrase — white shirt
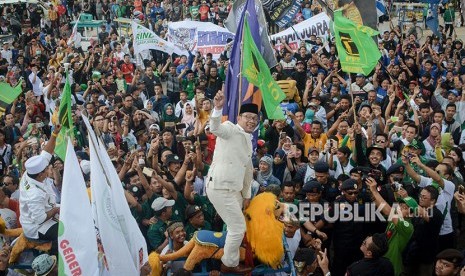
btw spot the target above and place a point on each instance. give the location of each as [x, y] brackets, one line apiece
[8, 55]
[338, 170]
[37, 85]
[443, 203]
[35, 199]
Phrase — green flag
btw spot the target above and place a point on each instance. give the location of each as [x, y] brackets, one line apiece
[356, 48]
[65, 119]
[257, 72]
[8, 94]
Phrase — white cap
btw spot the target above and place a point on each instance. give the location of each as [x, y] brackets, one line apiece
[37, 164]
[85, 166]
[160, 203]
[154, 126]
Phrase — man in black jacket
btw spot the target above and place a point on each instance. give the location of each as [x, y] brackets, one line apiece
[373, 262]
[12, 133]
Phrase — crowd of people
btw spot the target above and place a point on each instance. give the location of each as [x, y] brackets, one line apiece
[392, 139]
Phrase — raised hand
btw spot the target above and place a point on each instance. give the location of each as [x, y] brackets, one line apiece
[218, 101]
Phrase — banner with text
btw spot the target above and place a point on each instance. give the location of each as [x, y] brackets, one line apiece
[282, 11]
[203, 37]
[145, 39]
[317, 25]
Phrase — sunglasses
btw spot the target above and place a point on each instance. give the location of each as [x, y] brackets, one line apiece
[380, 141]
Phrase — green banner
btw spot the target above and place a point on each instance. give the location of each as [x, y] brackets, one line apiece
[8, 94]
[356, 48]
[257, 72]
[65, 119]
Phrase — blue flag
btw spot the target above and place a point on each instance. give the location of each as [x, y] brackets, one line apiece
[237, 86]
[432, 19]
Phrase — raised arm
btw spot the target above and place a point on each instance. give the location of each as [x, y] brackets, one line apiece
[430, 172]
[378, 199]
[216, 127]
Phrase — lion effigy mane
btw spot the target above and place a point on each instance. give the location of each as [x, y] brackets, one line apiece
[264, 234]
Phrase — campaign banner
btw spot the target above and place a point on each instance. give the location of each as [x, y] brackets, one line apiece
[145, 39]
[203, 37]
[317, 25]
[282, 12]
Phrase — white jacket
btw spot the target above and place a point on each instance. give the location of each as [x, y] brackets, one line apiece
[231, 167]
[35, 199]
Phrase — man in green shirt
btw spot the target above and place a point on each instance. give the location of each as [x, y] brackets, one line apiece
[195, 221]
[194, 11]
[188, 84]
[400, 228]
[156, 236]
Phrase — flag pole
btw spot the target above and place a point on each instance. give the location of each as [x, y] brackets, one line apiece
[239, 95]
[352, 98]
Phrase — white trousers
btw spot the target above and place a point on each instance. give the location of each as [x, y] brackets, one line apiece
[228, 204]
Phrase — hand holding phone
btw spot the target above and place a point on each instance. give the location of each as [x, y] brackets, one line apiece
[148, 171]
[293, 148]
[461, 189]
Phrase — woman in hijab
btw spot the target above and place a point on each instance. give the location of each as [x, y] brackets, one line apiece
[188, 118]
[265, 175]
[168, 118]
[433, 140]
[280, 166]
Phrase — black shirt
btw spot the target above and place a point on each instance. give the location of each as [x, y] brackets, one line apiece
[371, 267]
[423, 245]
[150, 85]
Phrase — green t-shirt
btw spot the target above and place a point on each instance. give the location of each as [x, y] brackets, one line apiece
[147, 211]
[179, 208]
[189, 87]
[398, 235]
[194, 11]
[190, 229]
[156, 234]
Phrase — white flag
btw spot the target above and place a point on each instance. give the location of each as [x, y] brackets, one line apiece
[131, 231]
[117, 255]
[72, 37]
[123, 244]
[76, 236]
[145, 39]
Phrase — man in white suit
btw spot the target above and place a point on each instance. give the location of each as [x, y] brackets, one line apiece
[230, 176]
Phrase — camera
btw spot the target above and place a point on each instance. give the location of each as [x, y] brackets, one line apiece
[136, 191]
[396, 186]
[369, 172]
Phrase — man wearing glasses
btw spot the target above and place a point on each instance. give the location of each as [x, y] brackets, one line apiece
[230, 176]
[373, 262]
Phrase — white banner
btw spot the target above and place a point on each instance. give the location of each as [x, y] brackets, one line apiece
[145, 39]
[77, 241]
[116, 256]
[317, 25]
[116, 223]
[203, 37]
[131, 231]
